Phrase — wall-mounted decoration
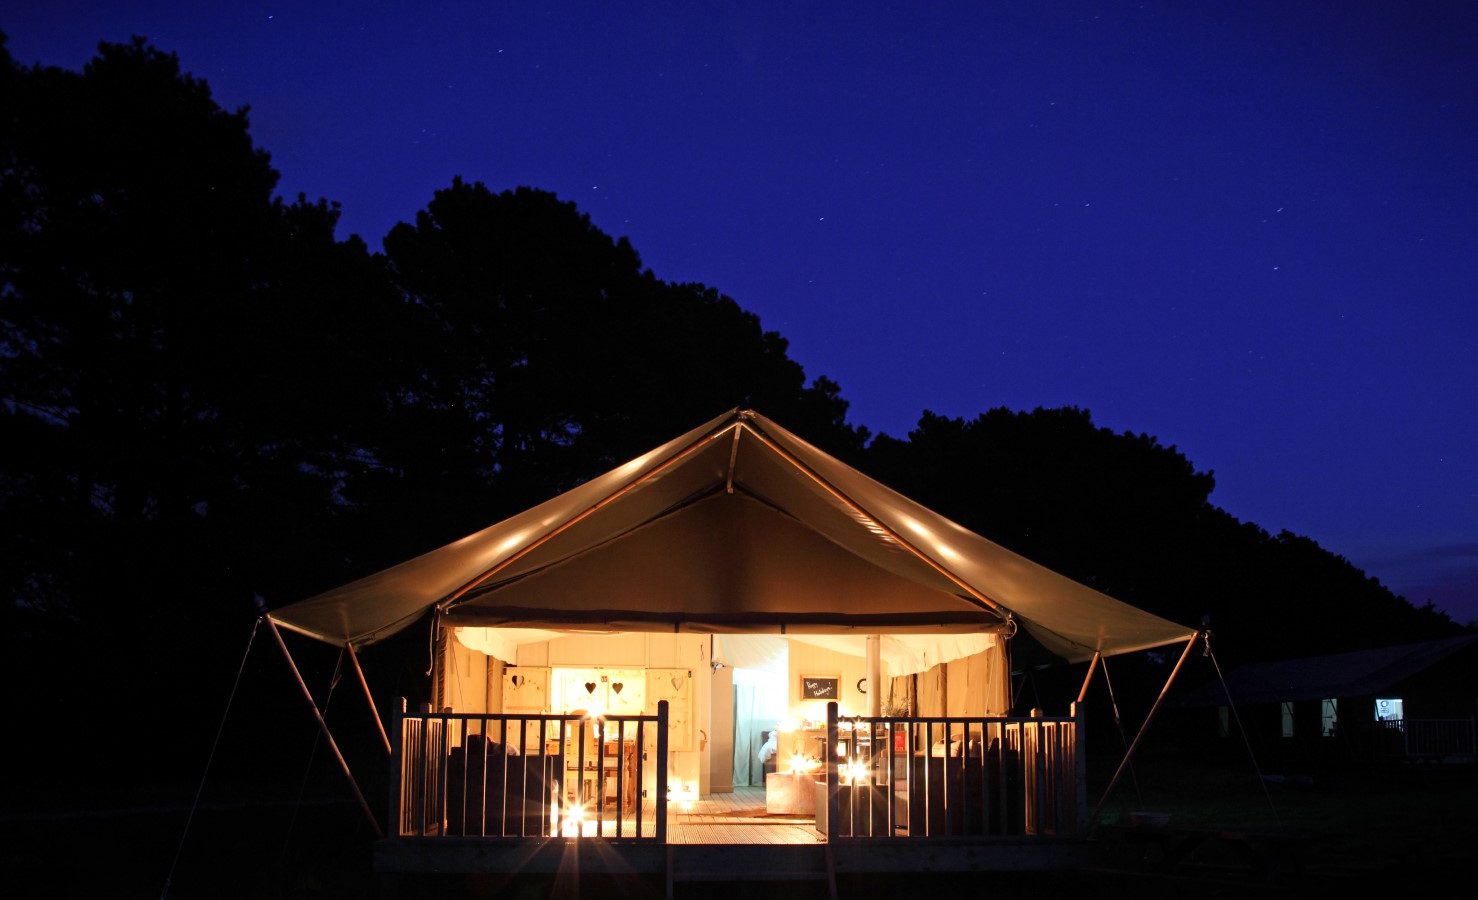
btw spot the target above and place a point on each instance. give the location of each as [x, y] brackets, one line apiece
[820, 687]
[674, 686]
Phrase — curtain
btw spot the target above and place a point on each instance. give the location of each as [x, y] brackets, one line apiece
[747, 769]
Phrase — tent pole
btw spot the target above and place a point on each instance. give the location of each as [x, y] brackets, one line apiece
[1189, 645]
[1083, 692]
[374, 711]
[874, 675]
[332, 744]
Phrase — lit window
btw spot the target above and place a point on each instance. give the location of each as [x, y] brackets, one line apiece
[1288, 718]
[1328, 717]
[1388, 709]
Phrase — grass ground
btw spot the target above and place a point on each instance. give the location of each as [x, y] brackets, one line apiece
[1403, 828]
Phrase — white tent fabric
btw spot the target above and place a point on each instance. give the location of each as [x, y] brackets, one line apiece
[765, 652]
[735, 526]
[502, 643]
[904, 654]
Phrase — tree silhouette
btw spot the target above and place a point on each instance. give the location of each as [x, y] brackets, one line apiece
[205, 394]
[1133, 518]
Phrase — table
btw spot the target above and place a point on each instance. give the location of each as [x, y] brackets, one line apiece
[791, 793]
[615, 757]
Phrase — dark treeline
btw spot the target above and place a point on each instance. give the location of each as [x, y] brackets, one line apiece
[206, 395]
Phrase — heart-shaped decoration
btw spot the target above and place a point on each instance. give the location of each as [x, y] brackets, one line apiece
[616, 686]
[517, 680]
[589, 687]
[677, 682]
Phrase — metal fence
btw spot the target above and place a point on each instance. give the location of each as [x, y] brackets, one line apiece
[1418, 738]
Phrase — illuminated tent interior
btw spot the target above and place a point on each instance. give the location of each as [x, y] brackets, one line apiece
[734, 530]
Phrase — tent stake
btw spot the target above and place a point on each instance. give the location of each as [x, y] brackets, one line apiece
[1189, 645]
[374, 711]
[332, 744]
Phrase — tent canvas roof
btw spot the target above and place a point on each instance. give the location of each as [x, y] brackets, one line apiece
[736, 526]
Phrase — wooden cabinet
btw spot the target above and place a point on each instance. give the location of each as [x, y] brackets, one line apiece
[676, 687]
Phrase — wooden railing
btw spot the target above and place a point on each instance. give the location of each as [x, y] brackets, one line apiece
[1418, 738]
[890, 778]
[527, 776]
[953, 776]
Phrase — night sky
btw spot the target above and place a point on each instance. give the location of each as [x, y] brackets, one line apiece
[1248, 229]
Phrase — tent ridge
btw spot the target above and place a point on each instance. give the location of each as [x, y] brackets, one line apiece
[452, 599]
[789, 457]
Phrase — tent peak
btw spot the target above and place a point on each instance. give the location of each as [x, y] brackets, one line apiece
[647, 540]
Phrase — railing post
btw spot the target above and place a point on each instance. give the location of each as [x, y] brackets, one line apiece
[1035, 775]
[661, 772]
[397, 766]
[1080, 767]
[833, 786]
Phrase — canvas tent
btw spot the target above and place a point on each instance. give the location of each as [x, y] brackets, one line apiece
[738, 526]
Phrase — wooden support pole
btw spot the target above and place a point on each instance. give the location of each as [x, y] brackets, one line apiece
[1092, 665]
[833, 783]
[661, 773]
[397, 767]
[332, 744]
[1189, 645]
[1080, 767]
[374, 711]
[874, 675]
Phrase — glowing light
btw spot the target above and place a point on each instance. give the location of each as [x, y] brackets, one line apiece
[916, 527]
[572, 821]
[512, 541]
[854, 772]
[684, 794]
[801, 764]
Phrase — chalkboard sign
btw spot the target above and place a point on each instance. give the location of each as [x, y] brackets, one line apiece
[819, 687]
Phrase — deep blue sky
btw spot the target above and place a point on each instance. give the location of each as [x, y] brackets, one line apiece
[1248, 229]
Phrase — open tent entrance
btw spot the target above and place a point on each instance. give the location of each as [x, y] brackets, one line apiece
[724, 691]
[761, 666]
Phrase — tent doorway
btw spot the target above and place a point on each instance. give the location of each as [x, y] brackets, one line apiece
[760, 703]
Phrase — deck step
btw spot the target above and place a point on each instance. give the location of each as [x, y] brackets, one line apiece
[748, 862]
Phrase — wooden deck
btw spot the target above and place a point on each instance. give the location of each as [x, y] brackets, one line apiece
[727, 838]
[738, 818]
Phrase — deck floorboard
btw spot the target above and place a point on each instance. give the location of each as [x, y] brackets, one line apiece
[738, 817]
